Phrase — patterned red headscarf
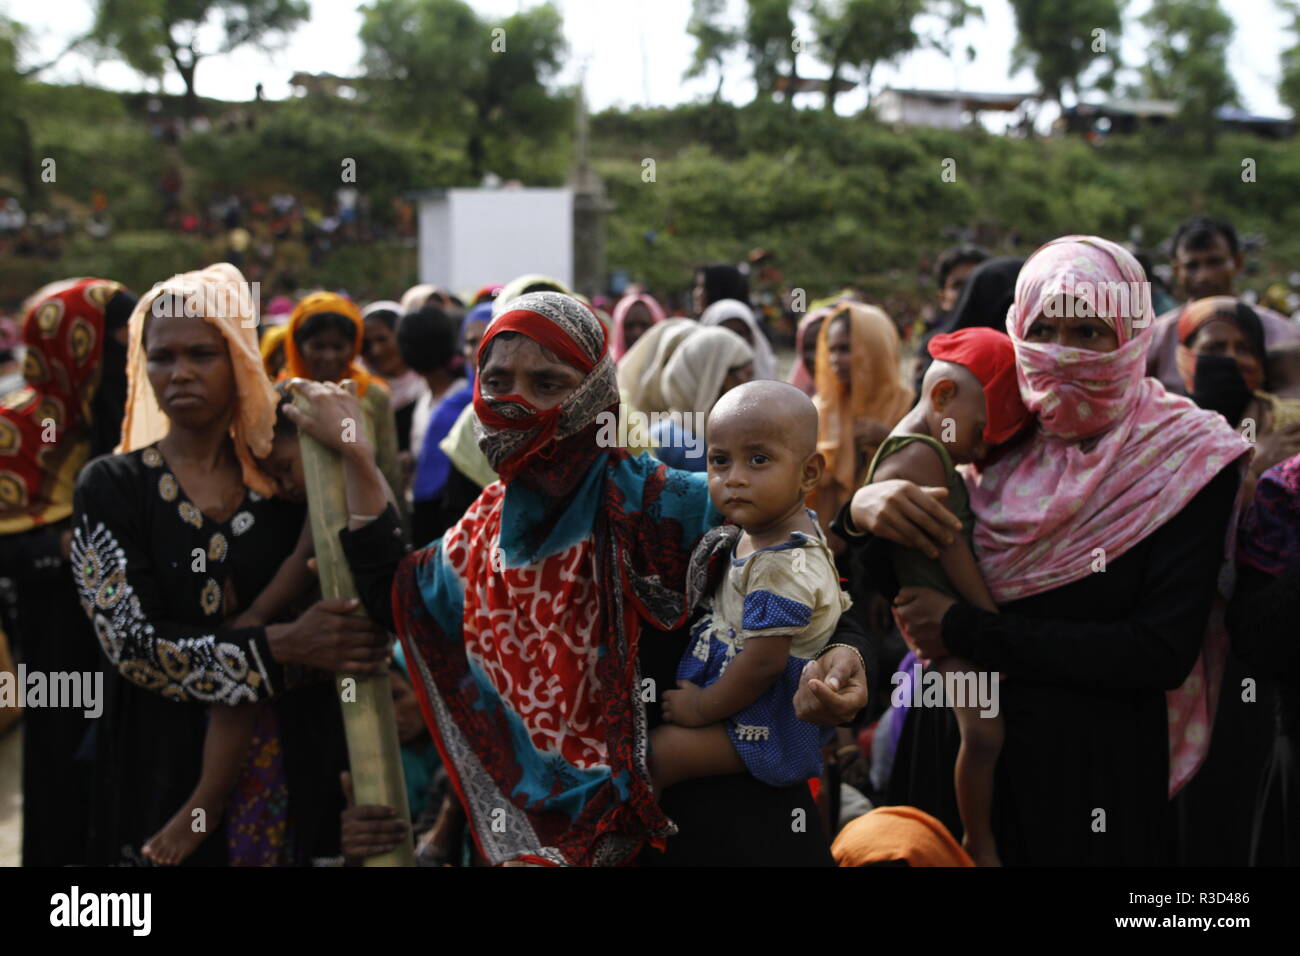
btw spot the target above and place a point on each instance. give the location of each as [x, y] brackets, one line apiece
[43, 436]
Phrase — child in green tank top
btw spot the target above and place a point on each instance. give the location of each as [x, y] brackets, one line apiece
[965, 407]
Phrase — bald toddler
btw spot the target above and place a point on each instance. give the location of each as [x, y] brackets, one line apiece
[771, 612]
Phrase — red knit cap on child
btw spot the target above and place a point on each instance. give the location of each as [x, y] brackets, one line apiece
[989, 355]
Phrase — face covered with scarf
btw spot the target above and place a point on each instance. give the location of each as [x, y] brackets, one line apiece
[524, 620]
[1222, 326]
[538, 391]
[1115, 456]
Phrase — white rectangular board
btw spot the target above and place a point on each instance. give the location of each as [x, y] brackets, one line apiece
[475, 237]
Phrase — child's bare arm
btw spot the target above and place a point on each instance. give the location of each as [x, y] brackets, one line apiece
[958, 562]
[289, 583]
[920, 463]
[747, 677]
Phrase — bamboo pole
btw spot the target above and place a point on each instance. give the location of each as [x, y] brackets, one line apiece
[367, 702]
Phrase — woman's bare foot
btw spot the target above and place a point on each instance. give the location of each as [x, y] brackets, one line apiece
[177, 839]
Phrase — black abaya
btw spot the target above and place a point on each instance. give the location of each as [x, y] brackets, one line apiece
[1263, 618]
[157, 612]
[55, 638]
[1083, 774]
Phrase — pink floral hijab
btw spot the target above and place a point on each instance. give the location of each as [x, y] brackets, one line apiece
[1114, 456]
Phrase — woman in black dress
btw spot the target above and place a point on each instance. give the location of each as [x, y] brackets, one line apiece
[171, 538]
[1101, 535]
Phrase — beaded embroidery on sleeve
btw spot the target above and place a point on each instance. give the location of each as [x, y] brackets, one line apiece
[186, 669]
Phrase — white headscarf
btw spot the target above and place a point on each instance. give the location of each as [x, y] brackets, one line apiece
[382, 305]
[641, 369]
[724, 309]
[515, 288]
[416, 296]
[693, 377]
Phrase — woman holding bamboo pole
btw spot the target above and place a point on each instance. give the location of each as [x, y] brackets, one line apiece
[173, 539]
[543, 625]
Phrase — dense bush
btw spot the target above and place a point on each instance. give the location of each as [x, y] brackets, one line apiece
[136, 259]
[850, 200]
[299, 148]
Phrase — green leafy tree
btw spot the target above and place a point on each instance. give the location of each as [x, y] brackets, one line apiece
[769, 38]
[1289, 88]
[154, 36]
[859, 35]
[15, 110]
[1188, 61]
[713, 40]
[436, 62]
[1060, 42]
[11, 80]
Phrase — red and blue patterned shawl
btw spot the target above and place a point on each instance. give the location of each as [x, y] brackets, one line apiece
[523, 622]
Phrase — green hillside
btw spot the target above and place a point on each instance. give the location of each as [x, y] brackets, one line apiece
[839, 200]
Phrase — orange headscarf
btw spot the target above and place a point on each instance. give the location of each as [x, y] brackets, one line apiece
[316, 304]
[254, 420]
[875, 391]
[898, 833]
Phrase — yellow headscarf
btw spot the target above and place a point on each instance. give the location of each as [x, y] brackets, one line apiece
[272, 339]
[875, 391]
[316, 304]
[255, 397]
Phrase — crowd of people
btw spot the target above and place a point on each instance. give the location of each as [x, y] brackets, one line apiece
[642, 595]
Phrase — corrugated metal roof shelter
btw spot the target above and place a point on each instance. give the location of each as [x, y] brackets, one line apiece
[941, 108]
